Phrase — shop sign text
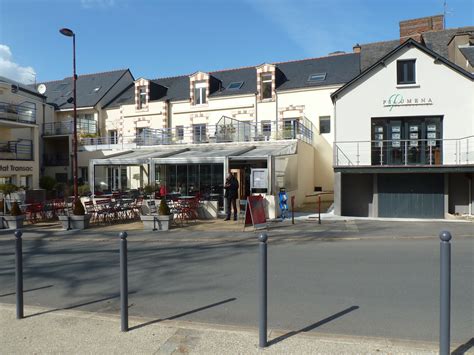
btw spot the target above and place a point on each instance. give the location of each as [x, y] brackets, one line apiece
[399, 100]
[13, 168]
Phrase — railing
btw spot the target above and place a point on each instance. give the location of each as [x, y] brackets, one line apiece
[23, 113]
[59, 159]
[16, 150]
[67, 127]
[226, 131]
[429, 152]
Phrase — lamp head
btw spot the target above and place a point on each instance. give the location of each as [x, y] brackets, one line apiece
[66, 32]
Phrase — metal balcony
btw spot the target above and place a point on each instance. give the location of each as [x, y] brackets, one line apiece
[405, 152]
[16, 150]
[22, 113]
[67, 127]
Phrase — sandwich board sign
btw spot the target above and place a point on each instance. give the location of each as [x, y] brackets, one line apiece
[255, 212]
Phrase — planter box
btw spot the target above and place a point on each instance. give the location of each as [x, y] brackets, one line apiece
[160, 223]
[77, 222]
[12, 222]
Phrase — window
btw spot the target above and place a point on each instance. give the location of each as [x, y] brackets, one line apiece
[266, 128]
[113, 136]
[141, 97]
[235, 85]
[199, 133]
[317, 77]
[95, 90]
[84, 173]
[324, 124]
[26, 181]
[406, 72]
[200, 92]
[179, 133]
[266, 86]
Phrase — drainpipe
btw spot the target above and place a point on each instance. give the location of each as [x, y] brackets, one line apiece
[469, 179]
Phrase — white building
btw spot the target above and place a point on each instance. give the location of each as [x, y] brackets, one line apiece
[404, 137]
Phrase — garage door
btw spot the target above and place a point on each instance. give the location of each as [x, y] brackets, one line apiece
[411, 195]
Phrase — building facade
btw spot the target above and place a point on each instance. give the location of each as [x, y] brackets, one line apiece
[404, 137]
[22, 112]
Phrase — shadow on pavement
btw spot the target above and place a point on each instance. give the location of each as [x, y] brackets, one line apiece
[30, 290]
[464, 348]
[78, 305]
[313, 326]
[184, 313]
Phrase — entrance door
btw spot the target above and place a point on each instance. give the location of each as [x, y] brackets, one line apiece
[113, 176]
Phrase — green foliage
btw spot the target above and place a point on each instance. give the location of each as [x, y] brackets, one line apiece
[15, 211]
[149, 189]
[7, 189]
[164, 210]
[78, 208]
[83, 190]
[47, 182]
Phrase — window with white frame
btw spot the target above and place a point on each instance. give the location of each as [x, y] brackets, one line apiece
[141, 97]
[199, 133]
[266, 128]
[113, 136]
[200, 92]
[179, 133]
[266, 85]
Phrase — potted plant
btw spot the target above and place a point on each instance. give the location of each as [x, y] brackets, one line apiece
[15, 219]
[157, 222]
[149, 191]
[78, 220]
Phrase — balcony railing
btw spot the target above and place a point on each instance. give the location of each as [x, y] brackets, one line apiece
[22, 113]
[59, 159]
[16, 150]
[67, 127]
[409, 152]
[226, 131]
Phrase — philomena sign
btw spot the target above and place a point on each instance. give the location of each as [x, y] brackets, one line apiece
[398, 100]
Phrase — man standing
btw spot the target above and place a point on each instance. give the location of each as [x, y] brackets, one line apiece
[231, 190]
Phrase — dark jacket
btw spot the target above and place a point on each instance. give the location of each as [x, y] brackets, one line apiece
[231, 188]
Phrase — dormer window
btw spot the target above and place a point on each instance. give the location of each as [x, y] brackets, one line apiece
[141, 97]
[266, 86]
[200, 92]
[406, 72]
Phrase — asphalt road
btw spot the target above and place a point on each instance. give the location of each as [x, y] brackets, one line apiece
[381, 287]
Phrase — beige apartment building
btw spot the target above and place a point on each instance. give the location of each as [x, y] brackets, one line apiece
[22, 112]
[269, 124]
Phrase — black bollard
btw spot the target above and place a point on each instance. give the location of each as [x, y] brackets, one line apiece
[19, 274]
[262, 328]
[445, 293]
[123, 282]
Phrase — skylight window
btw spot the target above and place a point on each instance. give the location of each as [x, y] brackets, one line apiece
[313, 78]
[236, 85]
[96, 89]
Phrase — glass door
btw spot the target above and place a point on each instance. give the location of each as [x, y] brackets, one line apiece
[379, 135]
[433, 141]
[394, 144]
[416, 145]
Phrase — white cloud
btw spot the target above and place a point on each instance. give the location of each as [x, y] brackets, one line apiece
[12, 70]
[102, 4]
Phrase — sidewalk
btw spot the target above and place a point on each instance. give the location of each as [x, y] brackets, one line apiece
[76, 332]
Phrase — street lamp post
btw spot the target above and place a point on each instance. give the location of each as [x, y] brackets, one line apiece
[69, 33]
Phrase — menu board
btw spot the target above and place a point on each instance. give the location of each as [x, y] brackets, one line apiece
[259, 179]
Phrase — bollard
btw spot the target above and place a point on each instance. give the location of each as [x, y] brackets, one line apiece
[292, 209]
[123, 282]
[319, 209]
[69, 223]
[19, 274]
[445, 293]
[262, 327]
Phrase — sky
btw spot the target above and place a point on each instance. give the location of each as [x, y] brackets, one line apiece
[157, 38]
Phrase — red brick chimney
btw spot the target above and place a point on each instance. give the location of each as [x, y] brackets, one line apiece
[415, 27]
